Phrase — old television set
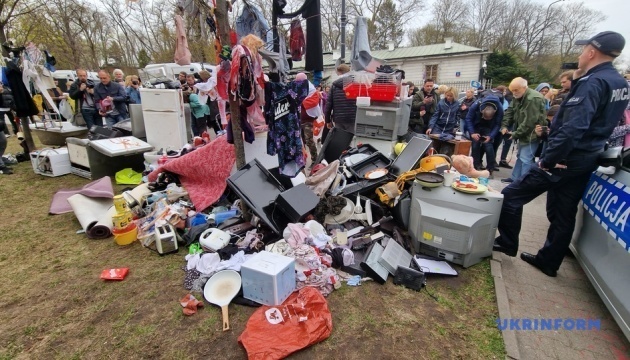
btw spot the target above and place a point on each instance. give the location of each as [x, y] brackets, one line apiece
[453, 226]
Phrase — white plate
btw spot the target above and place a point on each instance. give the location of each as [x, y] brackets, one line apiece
[376, 174]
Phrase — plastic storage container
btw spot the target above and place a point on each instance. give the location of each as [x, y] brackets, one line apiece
[268, 278]
[376, 92]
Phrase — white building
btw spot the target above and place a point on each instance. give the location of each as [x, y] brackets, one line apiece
[447, 63]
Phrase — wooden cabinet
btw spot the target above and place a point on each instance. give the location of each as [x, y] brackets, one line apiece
[451, 147]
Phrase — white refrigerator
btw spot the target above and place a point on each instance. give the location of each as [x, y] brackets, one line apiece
[164, 119]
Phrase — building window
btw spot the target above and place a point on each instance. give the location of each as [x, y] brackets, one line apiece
[431, 72]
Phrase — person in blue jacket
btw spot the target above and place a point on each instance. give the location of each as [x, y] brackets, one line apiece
[446, 116]
[483, 122]
[577, 136]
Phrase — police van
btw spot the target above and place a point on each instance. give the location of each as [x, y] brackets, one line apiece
[601, 241]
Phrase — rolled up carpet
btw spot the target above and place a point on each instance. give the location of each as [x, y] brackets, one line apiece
[101, 188]
[93, 215]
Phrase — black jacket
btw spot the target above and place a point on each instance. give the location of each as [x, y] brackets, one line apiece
[7, 99]
[340, 109]
[588, 115]
[76, 94]
[118, 94]
[417, 105]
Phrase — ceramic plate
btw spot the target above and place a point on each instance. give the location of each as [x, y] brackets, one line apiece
[376, 174]
[478, 189]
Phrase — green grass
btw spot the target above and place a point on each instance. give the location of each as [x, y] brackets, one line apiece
[53, 304]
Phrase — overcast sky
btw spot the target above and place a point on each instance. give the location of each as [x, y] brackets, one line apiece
[616, 11]
[617, 14]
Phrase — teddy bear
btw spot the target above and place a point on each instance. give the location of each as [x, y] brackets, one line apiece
[464, 165]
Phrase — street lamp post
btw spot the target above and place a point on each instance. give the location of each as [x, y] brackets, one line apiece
[542, 35]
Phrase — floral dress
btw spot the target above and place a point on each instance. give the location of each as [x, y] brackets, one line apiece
[282, 115]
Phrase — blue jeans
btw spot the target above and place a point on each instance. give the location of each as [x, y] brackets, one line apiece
[91, 117]
[564, 189]
[112, 120]
[525, 159]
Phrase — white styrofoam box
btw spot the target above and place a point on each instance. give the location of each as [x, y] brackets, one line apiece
[268, 278]
[78, 154]
[125, 145]
[51, 162]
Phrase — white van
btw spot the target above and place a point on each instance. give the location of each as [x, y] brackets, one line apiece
[171, 70]
[65, 78]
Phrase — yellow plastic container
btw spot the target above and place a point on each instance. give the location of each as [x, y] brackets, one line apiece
[127, 235]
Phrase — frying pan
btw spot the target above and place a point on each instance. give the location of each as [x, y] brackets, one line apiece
[220, 289]
[429, 179]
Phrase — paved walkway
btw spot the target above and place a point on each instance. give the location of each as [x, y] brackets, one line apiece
[525, 292]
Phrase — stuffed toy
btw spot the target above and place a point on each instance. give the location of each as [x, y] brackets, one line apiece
[464, 165]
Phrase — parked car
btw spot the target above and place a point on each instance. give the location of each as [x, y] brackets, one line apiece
[601, 243]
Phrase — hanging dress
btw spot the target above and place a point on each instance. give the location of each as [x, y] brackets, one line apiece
[282, 106]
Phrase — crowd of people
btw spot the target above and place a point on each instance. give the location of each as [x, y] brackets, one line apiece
[106, 100]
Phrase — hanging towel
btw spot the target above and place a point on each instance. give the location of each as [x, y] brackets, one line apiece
[297, 41]
[182, 54]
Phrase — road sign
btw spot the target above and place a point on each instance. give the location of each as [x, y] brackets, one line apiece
[475, 84]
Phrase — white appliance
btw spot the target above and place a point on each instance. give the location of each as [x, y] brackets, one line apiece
[454, 226]
[164, 119]
[51, 162]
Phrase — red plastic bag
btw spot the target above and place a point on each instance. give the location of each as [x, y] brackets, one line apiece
[274, 332]
[114, 274]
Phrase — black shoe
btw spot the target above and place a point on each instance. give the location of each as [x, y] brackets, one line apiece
[481, 167]
[505, 164]
[506, 251]
[531, 259]
[496, 168]
[6, 171]
[507, 181]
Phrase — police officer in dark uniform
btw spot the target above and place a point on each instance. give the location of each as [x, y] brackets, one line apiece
[578, 134]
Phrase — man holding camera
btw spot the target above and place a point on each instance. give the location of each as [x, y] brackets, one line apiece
[577, 137]
[483, 122]
[82, 91]
[423, 106]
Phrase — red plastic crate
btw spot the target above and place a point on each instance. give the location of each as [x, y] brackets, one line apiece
[376, 92]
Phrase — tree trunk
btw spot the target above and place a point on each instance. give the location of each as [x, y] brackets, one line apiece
[223, 30]
[224, 34]
[3, 39]
[28, 136]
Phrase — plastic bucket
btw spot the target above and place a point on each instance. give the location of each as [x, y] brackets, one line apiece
[126, 236]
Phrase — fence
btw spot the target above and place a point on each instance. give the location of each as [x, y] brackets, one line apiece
[465, 85]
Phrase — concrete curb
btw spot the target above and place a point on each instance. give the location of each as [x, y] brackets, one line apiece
[509, 336]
